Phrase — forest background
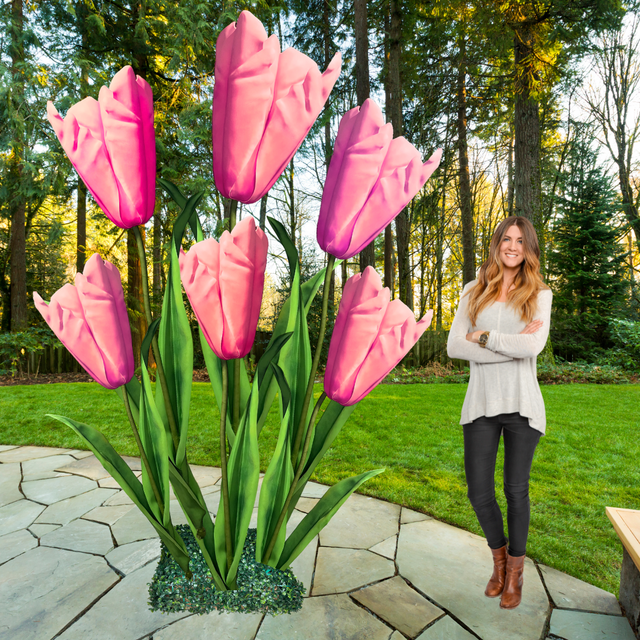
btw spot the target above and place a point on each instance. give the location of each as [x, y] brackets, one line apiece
[536, 106]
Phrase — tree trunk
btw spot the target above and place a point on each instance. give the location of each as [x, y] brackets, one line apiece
[367, 256]
[328, 147]
[464, 181]
[510, 190]
[18, 266]
[81, 205]
[81, 226]
[527, 131]
[628, 201]
[157, 256]
[263, 211]
[388, 232]
[135, 302]
[403, 225]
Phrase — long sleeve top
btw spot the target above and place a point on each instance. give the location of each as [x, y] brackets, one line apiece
[503, 374]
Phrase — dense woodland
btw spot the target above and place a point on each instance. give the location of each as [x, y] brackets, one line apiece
[536, 105]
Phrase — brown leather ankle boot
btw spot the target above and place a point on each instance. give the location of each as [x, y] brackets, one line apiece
[512, 592]
[496, 582]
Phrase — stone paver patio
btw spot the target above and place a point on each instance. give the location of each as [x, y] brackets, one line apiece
[76, 558]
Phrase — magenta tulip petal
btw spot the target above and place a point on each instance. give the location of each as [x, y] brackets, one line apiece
[224, 282]
[371, 178]
[371, 335]
[91, 320]
[264, 103]
[111, 144]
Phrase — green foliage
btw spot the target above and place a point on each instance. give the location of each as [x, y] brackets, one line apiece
[587, 261]
[625, 353]
[261, 589]
[582, 373]
[15, 347]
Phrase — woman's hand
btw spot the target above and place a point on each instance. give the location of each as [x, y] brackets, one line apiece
[532, 327]
[473, 337]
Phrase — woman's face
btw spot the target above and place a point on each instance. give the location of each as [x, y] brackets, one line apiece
[511, 248]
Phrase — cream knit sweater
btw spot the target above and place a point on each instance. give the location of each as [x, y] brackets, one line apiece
[503, 374]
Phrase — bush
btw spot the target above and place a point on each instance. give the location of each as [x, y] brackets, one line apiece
[626, 350]
[15, 348]
[582, 372]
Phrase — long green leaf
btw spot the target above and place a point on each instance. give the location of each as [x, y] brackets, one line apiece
[134, 389]
[243, 472]
[155, 437]
[173, 191]
[276, 485]
[174, 339]
[295, 357]
[286, 322]
[195, 510]
[326, 431]
[123, 475]
[318, 518]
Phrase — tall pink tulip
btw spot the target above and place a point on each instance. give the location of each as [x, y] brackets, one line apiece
[372, 334]
[264, 103]
[224, 281]
[372, 177]
[91, 320]
[111, 143]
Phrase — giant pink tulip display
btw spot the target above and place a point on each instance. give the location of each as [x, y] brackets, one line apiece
[111, 143]
[224, 281]
[264, 104]
[372, 177]
[372, 334]
[91, 320]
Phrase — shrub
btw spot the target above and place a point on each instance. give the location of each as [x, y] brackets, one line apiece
[16, 347]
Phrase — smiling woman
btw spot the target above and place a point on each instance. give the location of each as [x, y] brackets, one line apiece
[501, 325]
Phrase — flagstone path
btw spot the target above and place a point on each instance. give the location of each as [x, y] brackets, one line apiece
[76, 557]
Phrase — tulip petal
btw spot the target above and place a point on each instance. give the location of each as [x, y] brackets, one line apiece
[224, 282]
[355, 333]
[65, 317]
[125, 144]
[299, 95]
[246, 68]
[111, 144]
[371, 335]
[199, 270]
[82, 139]
[104, 309]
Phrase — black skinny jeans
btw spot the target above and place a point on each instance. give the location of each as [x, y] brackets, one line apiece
[481, 439]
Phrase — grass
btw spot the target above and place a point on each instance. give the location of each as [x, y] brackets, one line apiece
[588, 460]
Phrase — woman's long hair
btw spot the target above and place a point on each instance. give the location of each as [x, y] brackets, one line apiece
[527, 283]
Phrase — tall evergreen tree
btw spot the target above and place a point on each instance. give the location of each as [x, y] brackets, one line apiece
[588, 262]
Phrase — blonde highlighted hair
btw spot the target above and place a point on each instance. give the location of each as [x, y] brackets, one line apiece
[527, 283]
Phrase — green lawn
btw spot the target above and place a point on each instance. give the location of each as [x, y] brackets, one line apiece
[589, 459]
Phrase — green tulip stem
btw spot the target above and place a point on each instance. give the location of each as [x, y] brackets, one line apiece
[316, 360]
[143, 455]
[154, 343]
[223, 461]
[236, 394]
[233, 207]
[294, 484]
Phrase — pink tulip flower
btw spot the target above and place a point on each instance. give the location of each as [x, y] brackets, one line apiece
[111, 144]
[224, 281]
[371, 178]
[371, 335]
[264, 103]
[91, 320]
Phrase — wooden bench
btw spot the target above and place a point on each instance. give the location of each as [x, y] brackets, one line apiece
[626, 522]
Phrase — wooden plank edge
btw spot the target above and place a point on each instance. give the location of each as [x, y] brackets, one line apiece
[624, 533]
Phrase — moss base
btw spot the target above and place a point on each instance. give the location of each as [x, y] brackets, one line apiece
[261, 589]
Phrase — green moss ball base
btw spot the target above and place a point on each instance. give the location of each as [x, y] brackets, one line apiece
[261, 589]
